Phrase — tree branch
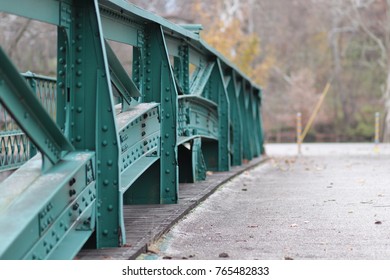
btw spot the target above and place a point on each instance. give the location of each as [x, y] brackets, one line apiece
[384, 61]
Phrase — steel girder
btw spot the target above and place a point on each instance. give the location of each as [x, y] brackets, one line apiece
[171, 123]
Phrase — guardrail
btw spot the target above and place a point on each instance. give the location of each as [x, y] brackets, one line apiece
[15, 147]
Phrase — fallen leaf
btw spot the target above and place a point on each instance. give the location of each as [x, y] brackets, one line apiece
[288, 258]
[378, 222]
[244, 190]
[209, 173]
[167, 258]
[224, 255]
[361, 181]
[293, 225]
[306, 222]
[253, 226]
[366, 202]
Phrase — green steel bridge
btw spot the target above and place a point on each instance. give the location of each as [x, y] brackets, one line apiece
[94, 138]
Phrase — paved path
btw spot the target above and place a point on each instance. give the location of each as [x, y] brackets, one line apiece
[332, 202]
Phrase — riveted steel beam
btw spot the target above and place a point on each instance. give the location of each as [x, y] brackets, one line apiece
[184, 103]
[39, 212]
[18, 98]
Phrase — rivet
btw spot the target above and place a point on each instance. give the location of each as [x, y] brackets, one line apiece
[79, 48]
[78, 138]
[167, 116]
[72, 181]
[104, 143]
[61, 61]
[79, 61]
[167, 171]
[79, 84]
[167, 99]
[105, 232]
[79, 37]
[105, 182]
[62, 49]
[109, 162]
[166, 135]
[61, 73]
[75, 206]
[79, 109]
[79, 73]
[167, 154]
[167, 89]
[61, 84]
[110, 207]
[167, 189]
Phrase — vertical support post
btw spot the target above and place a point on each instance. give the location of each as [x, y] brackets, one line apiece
[377, 117]
[259, 122]
[217, 154]
[299, 131]
[85, 107]
[236, 121]
[160, 87]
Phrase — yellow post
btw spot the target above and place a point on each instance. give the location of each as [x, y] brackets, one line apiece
[315, 112]
[299, 131]
[376, 148]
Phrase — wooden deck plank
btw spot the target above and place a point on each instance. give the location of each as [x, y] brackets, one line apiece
[146, 223]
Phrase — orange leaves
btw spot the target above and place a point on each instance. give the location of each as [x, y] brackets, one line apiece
[226, 32]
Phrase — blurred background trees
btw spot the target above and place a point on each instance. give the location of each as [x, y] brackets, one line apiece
[292, 48]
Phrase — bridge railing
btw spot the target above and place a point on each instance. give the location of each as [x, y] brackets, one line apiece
[184, 110]
[15, 146]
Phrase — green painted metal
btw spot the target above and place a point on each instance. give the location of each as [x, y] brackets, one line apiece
[41, 211]
[183, 110]
[15, 146]
[19, 100]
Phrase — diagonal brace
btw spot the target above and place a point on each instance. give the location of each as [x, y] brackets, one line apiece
[25, 108]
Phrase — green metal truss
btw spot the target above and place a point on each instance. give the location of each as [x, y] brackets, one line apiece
[115, 138]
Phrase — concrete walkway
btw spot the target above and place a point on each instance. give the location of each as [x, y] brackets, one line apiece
[332, 202]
